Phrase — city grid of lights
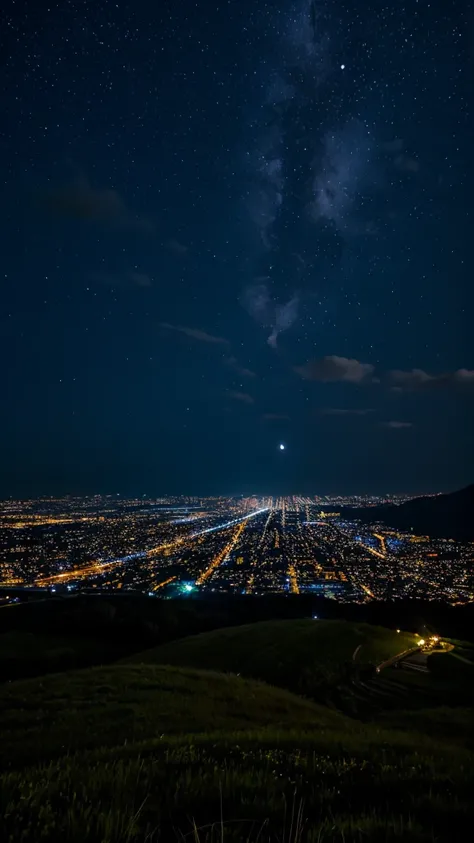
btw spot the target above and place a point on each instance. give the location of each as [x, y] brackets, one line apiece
[186, 546]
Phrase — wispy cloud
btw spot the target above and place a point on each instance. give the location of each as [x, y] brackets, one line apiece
[285, 317]
[140, 279]
[345, 411]
[275, 417]
[397, 425]
[80, 200]
[234, 364]
[407, 164]
[419, 379]
[465, 376]
[276, 317]
[333, 368]
[195, 334]
[243, 397]
[256, 300]
[177, 247]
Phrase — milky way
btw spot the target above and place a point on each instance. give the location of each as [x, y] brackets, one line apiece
[309, 170]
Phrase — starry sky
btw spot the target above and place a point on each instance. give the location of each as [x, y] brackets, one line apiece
[229, 225]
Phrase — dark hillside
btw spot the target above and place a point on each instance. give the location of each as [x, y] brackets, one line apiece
[444, 516]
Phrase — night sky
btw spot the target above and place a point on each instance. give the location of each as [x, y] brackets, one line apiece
[230, 225]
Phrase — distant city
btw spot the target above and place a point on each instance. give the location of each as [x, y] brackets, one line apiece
[184, 546]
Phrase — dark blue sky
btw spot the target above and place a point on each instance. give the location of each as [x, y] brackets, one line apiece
[230, 225]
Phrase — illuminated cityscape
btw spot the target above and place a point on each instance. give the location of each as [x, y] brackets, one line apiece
[187, 545]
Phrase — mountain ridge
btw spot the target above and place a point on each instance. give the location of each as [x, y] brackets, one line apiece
[449, 515]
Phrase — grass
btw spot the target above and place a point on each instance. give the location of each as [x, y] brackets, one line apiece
[111, 705]
[24, 653]
[21, 645]
[455, 725]
[243, 787]
[306, 656]
[453, 668]
[137, 752]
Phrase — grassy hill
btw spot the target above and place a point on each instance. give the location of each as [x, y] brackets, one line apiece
[24, 653]
[59, 634]
[149, 752]
[455, 725]
[129, 703]
[135, 753]
[310, 657]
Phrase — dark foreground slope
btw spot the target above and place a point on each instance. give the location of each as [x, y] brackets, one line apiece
[444, 516]
[135, 753]
[128, 704]
[145, 752]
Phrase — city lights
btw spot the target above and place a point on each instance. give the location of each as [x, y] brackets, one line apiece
[182, 546]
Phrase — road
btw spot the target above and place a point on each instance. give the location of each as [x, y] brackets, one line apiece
[416, 661]
[395, 659]
[415, 658]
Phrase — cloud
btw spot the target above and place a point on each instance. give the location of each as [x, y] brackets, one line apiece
[345, 411]
[177, 247]
[81, 201]
[140, 279]
[464, 376]
[256, 300]
[285, 317]
[333, 368]
[195, 334]
[407, 163]
[417, 379]
[397, 425]
[261, 306]
[413, 379]
[234, 364]
[275, 417]
[244, 397]
[122, 279]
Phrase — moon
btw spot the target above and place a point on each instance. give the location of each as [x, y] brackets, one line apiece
[281, 446]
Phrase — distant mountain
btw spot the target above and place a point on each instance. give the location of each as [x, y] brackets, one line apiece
[443, 516]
